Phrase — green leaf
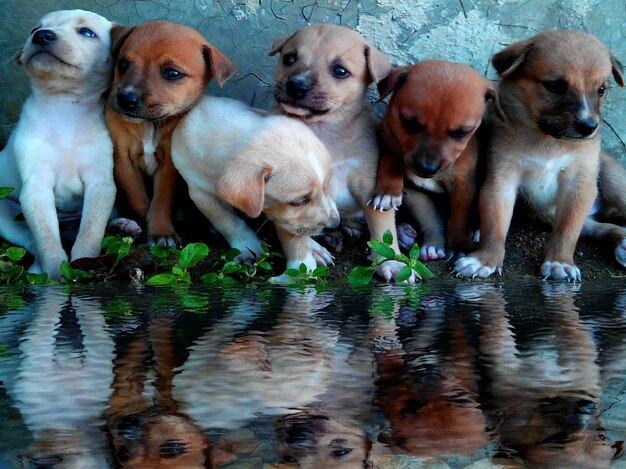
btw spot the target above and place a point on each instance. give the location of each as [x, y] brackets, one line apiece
[303, 268]
[232, 267]
[108, 241]
[123, 251]
[37, 279]
[292, 272]
[321, 271]
[15, 253]
[177, 271]
[231, 254]
[265, 265]
[388, 238]
[162, 279]
[421, 269]
[361, 275]
[382, 249]
[211, 277]
[67, 271]
[414, 253]
[5, 191]
[192, 254]
[404, 274]
[160, 252]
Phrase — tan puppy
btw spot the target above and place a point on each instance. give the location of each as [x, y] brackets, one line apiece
[548, 151]
[59, 160]
[322, 79]
[232, 156]
[162, 70]
[428, 135]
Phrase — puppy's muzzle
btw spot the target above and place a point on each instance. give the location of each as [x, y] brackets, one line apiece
[586, 127]
[129, 101]
[426, 169]
[297, 88]
[44, 37]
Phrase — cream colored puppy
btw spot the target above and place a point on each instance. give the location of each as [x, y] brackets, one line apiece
[233, 156]
[59, 160]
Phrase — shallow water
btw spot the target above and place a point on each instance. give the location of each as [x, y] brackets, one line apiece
[523, 375]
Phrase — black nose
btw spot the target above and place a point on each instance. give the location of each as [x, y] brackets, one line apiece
[44, 37]
[129, 100]
[297, 88]
[426, 169]
[585, 127]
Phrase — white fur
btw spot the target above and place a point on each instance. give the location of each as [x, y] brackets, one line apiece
[60, 156]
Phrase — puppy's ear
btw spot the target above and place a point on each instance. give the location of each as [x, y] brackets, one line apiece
[492, 95]
[279, 43]
[243, 187]
[119, 34]
[378, 64]
[511, 58]
[618, 71]
[17, 58]
[394, 80]
[220, 67]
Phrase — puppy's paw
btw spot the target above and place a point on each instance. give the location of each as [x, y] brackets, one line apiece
[321, 255]
[472, 267]
[163, 238]
[406, 236]
[431, 252]
[389, 271]
[384, 202]
[354, 227]
[552, 270]
[620, 253]
[124, 227]
[250, 250]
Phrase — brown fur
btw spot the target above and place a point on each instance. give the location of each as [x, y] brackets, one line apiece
[145, 54]
[548, 150]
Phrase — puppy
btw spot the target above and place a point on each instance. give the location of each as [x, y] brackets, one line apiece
[552, 90]
[322, 79]
[59, 158]
[232, 156]
[428, 136]
[162, 69]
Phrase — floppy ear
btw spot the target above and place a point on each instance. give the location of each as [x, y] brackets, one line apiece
[243, 187]
[394, 80]
[279, 43]
[511, 58]
[618, 71]
[218, 64]
[119, 34]
[492, 95]
[378, 64]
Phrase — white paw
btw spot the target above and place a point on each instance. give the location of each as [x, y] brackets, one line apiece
[384, 202]
[429, 252]
[406, 236]
[389, 271]
[620, 253]
[560, 271]
[250, 250]
[321, 255]
[125, 225]
[471, 267]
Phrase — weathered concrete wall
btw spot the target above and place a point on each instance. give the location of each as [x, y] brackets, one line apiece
[468, 31]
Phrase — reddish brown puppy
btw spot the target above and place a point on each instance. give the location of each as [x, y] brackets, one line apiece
[162, 70]
[429, 143]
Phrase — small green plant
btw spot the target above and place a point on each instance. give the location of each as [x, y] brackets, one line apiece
[71, 275]
[12, 272]
[363, 275]
[188, 258]
[121, 247]
[303, 276]
[5, 191]
[232, 271]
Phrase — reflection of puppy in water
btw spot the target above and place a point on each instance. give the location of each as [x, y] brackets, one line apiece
[545, 402]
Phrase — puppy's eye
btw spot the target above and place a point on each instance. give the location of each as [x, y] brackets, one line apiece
[340, 72]
[339, 453]
[410, 124]
[289, 59]
[602, 90]
[87, 33]
[299, 203]
[458, 134]
[555, 86]
[172, 74]
[122, 65]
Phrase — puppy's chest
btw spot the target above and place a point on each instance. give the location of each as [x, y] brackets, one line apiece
[145, 148]
[543, 177]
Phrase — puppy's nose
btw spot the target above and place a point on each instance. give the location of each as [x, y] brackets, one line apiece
[297, 88]
[586, 126]
[426, 169]
[129, 100]
[44, 37]
[333, 218]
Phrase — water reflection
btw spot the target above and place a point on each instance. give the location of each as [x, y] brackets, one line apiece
[523, 376]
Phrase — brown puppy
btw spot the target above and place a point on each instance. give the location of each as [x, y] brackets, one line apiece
[322, 79]
[552, 90]
[162, 70]
[428, 136]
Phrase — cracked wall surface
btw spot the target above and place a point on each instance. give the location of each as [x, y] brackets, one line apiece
[408, 31]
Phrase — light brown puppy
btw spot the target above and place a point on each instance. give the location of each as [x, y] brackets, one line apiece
[552, 89]
[428, 138]
[322, 78]
[162, 70]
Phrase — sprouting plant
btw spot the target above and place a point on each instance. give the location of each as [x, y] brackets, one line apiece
[362, 275]
[121, 247]
[303, 276]
[12, 272]
[188, 258]
[233, 271]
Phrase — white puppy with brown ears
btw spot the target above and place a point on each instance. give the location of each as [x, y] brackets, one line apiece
[59, 159]
[231, 155]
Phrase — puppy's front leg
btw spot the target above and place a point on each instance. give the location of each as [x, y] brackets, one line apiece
[130, 180]
[425, 212]
[297, 250]
[497, 201]
[161, 211]
[389, 182]
[459, 227]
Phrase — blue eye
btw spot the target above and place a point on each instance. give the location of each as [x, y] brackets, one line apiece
[87, 32]
[172, 74]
